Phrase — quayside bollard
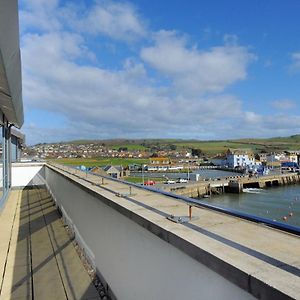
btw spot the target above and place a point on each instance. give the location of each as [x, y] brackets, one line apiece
[190, 212]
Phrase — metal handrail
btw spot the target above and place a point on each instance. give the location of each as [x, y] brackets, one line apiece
[197, 203]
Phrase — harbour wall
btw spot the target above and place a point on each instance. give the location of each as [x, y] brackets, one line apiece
[232, 185]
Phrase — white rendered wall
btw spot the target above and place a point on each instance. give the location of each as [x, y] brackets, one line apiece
[26, 174]
[134, 262]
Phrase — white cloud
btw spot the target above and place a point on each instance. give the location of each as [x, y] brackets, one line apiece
[295, 65]
[282, 123]
[125, 101]
[252, 118]
[120, 103]
[284, 104]
[250, 124]
[194, 70]
[117, 20]
[40, 15]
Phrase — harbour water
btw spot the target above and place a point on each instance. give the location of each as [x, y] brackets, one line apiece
[273, 203]
[204, 173]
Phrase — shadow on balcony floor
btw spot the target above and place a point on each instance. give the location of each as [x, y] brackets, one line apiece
[41, 261]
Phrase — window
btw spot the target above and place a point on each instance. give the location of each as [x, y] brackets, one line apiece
[5, 162]
[14, 148]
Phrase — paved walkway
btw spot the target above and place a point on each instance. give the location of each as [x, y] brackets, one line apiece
[37, 257]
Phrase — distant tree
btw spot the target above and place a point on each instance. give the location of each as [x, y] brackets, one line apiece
[123, 149]
[197, 152]
[154, 148]
[173, 147]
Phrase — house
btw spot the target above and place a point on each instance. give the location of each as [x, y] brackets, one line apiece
[293, 156]
[98, 170]
[240, 158]
[155, 168]
[262, 157]
[159, 161]
[274, 160]
[116, 171]
[135, 167]
[277, 157]
[158, 164]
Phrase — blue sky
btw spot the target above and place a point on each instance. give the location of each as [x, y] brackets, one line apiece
[159, 69]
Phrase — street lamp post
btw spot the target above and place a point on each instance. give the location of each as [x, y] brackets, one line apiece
[143, 174]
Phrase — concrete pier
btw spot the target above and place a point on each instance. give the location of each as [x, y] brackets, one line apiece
[234, 184]
[268, 181]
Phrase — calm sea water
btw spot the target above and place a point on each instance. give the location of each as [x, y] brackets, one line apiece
[273, 203]
[203, 173]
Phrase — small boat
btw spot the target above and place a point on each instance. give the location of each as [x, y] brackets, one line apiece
[253, 190]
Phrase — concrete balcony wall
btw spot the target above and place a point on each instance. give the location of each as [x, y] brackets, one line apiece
[26, 174]
[134, 263]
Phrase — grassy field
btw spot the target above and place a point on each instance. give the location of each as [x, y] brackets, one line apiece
[133, 179]
[214, 147]
[90, 162]
[257, 145]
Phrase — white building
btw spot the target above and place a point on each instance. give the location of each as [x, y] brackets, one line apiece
[240, 158]
[293, 156]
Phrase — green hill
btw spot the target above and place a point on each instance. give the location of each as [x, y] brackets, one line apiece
[207, 147]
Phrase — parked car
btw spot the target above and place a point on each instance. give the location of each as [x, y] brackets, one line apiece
[170, 181]
[149, 182]
[182, 180]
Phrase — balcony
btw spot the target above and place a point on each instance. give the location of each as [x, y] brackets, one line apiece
[38, 255]
[141, 244]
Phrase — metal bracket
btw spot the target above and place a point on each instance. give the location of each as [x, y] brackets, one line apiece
[124, 195]
[178, 219]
